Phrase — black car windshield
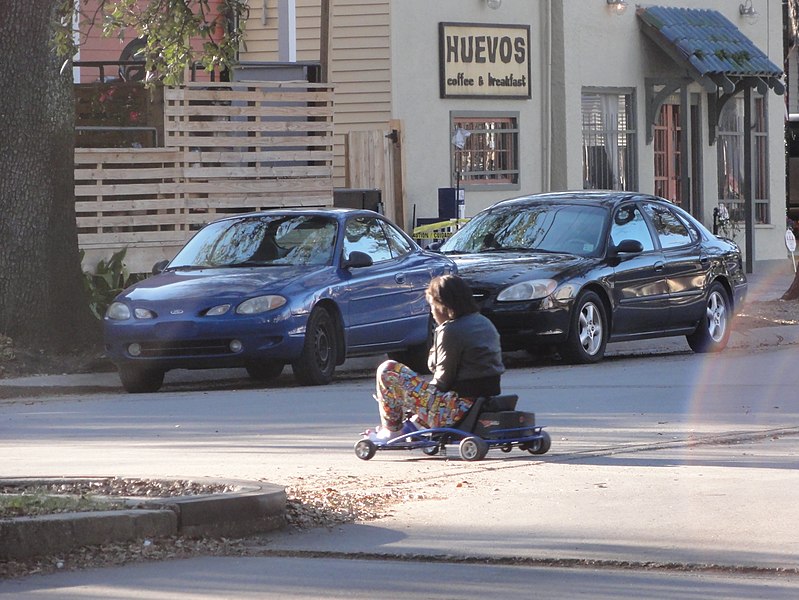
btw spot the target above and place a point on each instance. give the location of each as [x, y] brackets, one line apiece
[261, 240]
[565, 228]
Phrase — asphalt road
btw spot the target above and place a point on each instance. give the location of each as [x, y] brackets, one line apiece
[679, 468]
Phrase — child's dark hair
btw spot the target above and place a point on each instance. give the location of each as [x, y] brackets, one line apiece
[452, 295]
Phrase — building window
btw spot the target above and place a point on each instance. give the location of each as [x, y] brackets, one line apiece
[730, 149]
[608, 141]
[490, 152]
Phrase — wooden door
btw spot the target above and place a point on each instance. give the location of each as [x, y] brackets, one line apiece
[374, 161]
[667, 149]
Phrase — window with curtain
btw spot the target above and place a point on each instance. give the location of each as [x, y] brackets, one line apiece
[608, 141]
[730, 152]
[490, 150]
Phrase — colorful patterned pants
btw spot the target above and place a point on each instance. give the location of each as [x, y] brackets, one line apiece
[399, 389]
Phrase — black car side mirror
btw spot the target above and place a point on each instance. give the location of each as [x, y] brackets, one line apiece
[357, 260]
[628, 247]
[159, 266]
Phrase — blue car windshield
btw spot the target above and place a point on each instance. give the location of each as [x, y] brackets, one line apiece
[261, 240]
[563, 228]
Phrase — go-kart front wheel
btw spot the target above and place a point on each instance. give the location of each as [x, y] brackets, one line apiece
[365, 449]
[473, 448]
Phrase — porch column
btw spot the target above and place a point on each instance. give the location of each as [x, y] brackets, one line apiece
[748, 180]
[287, 31]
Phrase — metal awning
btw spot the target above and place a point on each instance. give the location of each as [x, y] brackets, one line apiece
[714, 52]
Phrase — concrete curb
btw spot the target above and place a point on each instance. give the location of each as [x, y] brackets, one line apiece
[254, 507]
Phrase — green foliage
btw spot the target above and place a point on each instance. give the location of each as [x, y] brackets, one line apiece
[108, 280]
[179, 33]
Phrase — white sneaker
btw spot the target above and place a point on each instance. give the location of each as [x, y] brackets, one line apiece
[382, 435]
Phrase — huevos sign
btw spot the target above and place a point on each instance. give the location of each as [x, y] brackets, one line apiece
[490, 61]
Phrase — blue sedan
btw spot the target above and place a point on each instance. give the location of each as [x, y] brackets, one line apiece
[305, 287]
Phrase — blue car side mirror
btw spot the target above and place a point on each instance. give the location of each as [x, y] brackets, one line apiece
[159, 266]
[357, 260]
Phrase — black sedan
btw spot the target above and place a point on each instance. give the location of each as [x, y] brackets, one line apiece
[576, 270]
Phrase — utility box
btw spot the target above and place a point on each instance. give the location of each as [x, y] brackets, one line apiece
[451, 203]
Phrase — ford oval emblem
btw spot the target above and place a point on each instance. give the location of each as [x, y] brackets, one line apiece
[177, 311]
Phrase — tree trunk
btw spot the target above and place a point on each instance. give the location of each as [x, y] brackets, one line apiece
[793, 291]
[42, 300]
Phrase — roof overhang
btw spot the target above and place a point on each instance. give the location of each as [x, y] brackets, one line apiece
[713, 51]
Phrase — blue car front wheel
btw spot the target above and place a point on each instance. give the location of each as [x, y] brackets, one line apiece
[319, 352]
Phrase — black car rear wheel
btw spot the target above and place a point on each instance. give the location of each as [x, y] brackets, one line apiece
[713, 331]
[588, 333]
[319, 353]
[139, 380]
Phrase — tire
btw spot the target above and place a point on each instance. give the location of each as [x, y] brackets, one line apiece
[365, 449]
[416, 356]
[319, 352]
[138, 380]
[472, 448]
[265, 371]
[713, 331]
[588, 331]
[430, 450]
[542, 446]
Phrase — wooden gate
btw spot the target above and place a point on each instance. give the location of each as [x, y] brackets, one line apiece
[374, 161]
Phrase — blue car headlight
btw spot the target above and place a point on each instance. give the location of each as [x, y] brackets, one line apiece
[117, 311]
[260, 304]
[527, 290]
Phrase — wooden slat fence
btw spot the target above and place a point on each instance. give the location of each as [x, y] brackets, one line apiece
[229, 148]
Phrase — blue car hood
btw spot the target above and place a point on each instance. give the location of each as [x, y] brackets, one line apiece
[494, 269]
[232, 283]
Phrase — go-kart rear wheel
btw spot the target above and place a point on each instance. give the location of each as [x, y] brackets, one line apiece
[473, 448]
[542, 446]
[506, 448]
[365, 449]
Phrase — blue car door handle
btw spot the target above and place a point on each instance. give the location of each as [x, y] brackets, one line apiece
[399, 277]
[659, 266]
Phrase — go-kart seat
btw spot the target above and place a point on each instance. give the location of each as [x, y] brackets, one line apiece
[483, 404]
